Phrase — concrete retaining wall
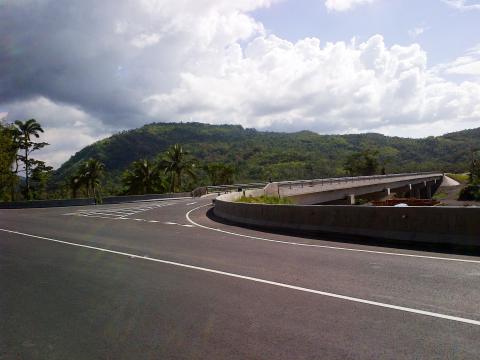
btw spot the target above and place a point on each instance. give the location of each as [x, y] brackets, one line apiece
[445, 225]
[88, 201]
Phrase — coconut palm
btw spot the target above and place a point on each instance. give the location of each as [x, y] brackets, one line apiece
[177, 163]
[75, 183]
[143, 177]
[24, 132]
[91, 173]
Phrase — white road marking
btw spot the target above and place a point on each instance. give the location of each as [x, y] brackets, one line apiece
[262, 281]
[174, 223]
[187, 215]
[119, 212]
[192, 203]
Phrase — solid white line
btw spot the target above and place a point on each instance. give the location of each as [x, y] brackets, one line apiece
[187, 215]
[262, 281]
[192, 203]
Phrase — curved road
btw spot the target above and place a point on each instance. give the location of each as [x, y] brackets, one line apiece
[160, 279]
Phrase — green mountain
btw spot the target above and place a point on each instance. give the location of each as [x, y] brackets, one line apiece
[259, 155]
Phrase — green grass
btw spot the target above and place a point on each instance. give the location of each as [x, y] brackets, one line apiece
[440, 195]
[461, 178]
[265, 200]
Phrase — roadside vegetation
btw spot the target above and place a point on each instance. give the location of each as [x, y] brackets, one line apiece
[172, 157]
[471, 192]
[22, 176]
[264, 199]
[441, 195]
[461, 178]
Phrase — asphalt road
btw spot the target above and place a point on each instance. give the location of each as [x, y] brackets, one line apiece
[161, 280]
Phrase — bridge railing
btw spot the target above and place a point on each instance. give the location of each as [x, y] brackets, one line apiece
[313, 182]
[350, 179]
[234, 187]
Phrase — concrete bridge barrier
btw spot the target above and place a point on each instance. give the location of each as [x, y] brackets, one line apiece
[88, 201]
[458, 226]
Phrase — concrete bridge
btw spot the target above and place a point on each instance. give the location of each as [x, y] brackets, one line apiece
[347, 189]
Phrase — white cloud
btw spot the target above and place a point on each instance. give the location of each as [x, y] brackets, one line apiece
[467, 65]
[211, 61]
[464, 4]
[344, 5]
[67, 129]
[144, 40]
[276, 84]
[416, 32]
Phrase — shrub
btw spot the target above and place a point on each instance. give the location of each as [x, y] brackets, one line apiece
[470, 193]
[265, 200]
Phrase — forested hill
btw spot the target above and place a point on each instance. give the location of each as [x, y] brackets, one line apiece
[259, 155]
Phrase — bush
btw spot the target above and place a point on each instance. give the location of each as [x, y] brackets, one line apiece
[265, 200]
[470, 193]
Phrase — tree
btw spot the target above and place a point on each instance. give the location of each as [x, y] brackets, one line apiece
[177, 163]
[75, 183]
[362, 163]
[24, 133]
[143, 177]
[474, 166]
[220, 174]
[8, 153]
[40, 175]
[90, 175]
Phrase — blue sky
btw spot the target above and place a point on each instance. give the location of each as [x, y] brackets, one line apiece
[447, 32]
[105, 66]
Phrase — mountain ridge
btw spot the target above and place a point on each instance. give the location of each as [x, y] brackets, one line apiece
[260, 155]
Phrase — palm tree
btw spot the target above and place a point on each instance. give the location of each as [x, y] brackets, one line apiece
[24, 132]
[177, 163]
[143, 177]
[75, 184]
[91, 173]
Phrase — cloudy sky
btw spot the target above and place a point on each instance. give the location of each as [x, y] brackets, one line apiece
[87, 68]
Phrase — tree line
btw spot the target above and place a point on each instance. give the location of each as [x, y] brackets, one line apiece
[23, 177]
[202, 161]
[174, 171]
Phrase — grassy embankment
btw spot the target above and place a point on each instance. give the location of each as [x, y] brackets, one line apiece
[468, 192]
[461, 178]
[265, 200]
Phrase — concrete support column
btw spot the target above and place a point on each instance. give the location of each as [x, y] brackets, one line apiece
[351, 199]
[429, 191]
[388, 191]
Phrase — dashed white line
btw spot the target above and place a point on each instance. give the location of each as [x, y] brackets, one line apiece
[187, 215]
[263, 281]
